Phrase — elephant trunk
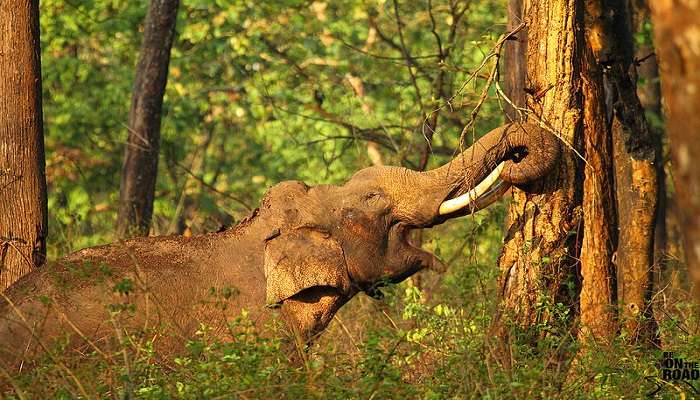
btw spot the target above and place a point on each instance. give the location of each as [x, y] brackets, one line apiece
[514, 154]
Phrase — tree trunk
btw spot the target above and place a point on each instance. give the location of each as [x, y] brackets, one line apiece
[514, 63]
[649, 93]
[570, 224]
[598, 287]
[540, 252]
[141, 155]
[677, 37]
[636, 190]
[373, 149]
[23, 210]
[635, 154]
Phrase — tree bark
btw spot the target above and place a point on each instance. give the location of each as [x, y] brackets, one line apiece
[540, 251]
[677, 37]
[635, 153]
[598, 287]
[569, 225]
[514, 63]
[23, 208]
[140, 167]
[649, 93]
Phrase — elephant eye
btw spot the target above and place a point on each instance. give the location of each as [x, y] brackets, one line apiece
[375, 198]
[372, 196]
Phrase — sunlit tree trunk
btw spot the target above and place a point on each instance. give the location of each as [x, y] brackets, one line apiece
[677, 37]
[649, 93]
[635, 153]
[23, 213]
[568, 228]
[141, 154]
[541, 250]
[598, 286]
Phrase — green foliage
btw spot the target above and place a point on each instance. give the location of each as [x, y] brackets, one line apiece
[240, 111]
[413, 345]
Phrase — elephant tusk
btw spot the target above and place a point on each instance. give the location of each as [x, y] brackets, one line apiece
[473, 196]
[494, 193]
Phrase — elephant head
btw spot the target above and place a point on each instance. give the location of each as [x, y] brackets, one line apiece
[354, 237]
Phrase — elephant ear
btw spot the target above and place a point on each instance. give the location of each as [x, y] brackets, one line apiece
[301, 259]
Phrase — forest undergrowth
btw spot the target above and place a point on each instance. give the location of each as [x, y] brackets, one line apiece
[439, 340]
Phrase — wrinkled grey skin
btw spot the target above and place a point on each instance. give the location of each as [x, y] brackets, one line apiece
[297, 259]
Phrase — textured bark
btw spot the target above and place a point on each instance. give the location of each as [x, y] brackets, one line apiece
[677, 35]
[540, 251]
[598, 290]
[636, 204]
[649, 93]
[140, 167]
[514, 62]
[635, 153]
[23, 213]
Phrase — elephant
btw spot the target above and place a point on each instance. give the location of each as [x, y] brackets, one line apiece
[295, 260]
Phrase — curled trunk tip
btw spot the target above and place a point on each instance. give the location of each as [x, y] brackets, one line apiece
[531, 152]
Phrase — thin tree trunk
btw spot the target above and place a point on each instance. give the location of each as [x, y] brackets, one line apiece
[23, 210]
[598, 287]
[636, 190]
[677, 37]
[514, 62]
[636, 173]
[141, 155]
[373, 150]
[540, 252]
[649, 93]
